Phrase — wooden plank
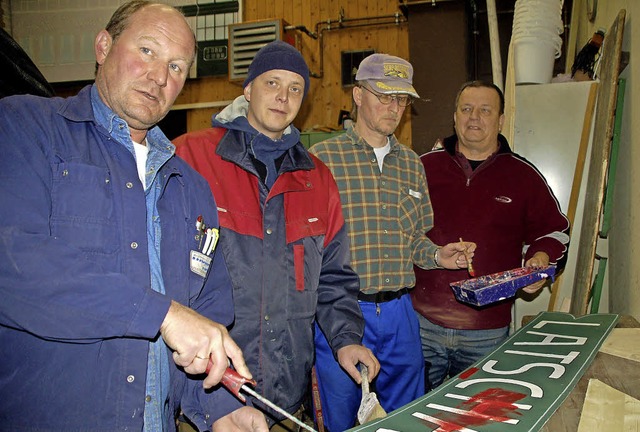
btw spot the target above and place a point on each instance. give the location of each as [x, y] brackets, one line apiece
[250, 11]
[296, 13]
[582, 154]
[623, 342]
[617, 372]
[494, 42]
[606, 408]
[277, 9]
[600, 153]
[509, 126]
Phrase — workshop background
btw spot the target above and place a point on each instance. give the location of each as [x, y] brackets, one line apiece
[448, 42]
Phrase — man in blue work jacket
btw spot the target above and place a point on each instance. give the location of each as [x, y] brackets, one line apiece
[109, 275]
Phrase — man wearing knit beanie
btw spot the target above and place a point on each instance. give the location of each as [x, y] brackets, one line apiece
[278, 55]
[282, 233]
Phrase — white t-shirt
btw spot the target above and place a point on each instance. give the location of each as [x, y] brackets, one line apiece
[381, 152]
[141, 161]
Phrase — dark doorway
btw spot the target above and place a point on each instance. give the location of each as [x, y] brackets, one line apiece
[438, 46]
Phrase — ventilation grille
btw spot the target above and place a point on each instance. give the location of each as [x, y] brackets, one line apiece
[245, 39]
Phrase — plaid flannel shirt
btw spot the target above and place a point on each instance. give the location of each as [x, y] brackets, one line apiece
[388, 213]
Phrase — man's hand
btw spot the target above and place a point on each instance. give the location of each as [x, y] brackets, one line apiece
[195, 339]
[453, 256]
[245, 419]
[539, 259]
[349, 356]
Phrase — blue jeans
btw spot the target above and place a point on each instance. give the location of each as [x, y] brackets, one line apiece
[393, 334]
[447, 352]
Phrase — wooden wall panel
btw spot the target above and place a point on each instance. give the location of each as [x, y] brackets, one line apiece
[327, 96]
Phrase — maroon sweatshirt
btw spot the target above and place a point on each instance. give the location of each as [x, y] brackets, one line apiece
[504, 205]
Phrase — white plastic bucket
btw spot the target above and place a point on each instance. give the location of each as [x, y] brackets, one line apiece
[537, 34]
[555, 42]
[554, 23]
[533, 61]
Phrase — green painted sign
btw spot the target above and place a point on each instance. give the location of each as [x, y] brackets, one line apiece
[516, 388]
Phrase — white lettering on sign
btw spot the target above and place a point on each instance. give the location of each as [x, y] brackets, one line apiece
[566, 359]
[549, 337]
[525, 407]
[558, 370]
[449, 426]
[498, 404]
[569, 323]
[476, 412]
[536, 391]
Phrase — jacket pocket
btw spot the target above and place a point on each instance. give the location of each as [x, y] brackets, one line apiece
[409, 212]
[306, 226]
[307, 262]
[298, 266]
[82, 211]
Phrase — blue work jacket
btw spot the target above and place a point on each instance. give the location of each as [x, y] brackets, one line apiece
[77, 310]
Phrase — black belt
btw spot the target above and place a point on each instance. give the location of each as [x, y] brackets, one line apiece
[382, 296]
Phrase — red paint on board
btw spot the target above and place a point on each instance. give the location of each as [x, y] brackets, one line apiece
[466, 374]
[490, 406]
[495, 403]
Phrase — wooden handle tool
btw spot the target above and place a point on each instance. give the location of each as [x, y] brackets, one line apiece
[470, 269]
[370, 408]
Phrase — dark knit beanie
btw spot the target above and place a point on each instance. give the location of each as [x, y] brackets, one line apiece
[278, 55]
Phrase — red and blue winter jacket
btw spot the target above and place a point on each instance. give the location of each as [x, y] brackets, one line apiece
[288, 255]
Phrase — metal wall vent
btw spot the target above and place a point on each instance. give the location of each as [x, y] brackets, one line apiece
[245, 39]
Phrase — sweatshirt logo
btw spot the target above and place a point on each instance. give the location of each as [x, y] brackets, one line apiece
[503, 199]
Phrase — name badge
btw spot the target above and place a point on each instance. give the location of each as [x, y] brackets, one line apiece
[199, 263]
[415, 194]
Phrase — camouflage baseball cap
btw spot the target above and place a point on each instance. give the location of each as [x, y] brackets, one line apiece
[387, 74]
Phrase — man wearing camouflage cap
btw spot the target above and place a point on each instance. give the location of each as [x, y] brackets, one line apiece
[387, 210]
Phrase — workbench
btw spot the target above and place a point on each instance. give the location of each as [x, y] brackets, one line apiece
[617, 372]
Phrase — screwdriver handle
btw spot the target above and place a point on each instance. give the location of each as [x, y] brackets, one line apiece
[233, 381]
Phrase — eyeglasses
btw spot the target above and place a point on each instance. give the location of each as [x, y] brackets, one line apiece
[385, 99]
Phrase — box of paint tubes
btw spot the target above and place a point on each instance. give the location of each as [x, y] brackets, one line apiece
[484, 290]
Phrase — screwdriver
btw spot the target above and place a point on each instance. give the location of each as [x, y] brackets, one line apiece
[234, 382]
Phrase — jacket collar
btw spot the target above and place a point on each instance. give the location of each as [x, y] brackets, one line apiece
[358, 141]
[80, 109]
[449, 144]
[233, 148]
